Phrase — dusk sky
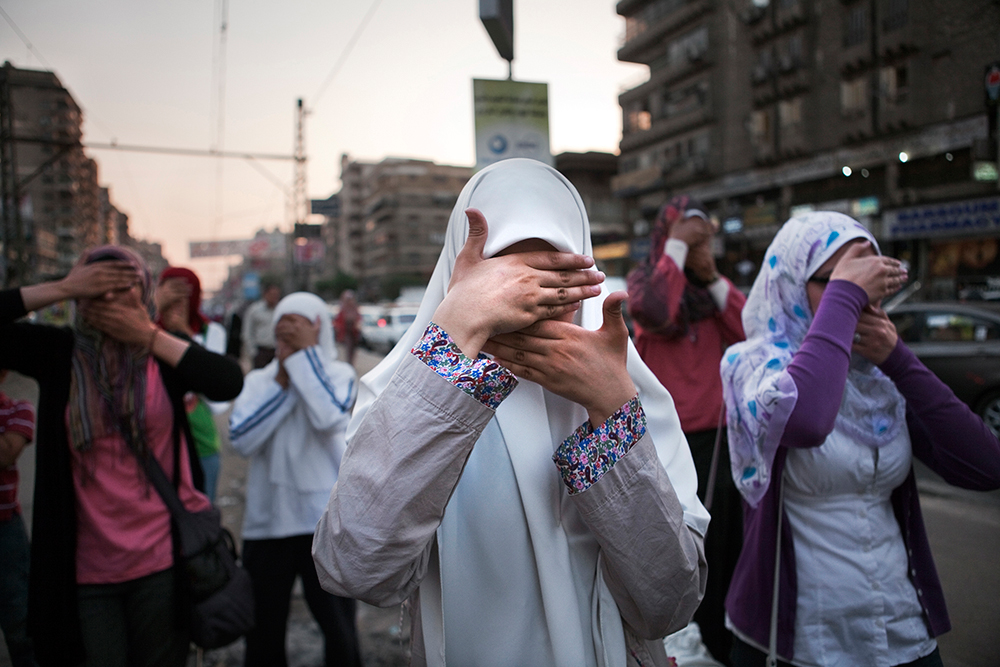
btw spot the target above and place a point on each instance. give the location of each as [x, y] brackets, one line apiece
[143, 74]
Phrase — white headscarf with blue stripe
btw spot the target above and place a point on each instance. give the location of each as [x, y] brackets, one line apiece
[758, 390]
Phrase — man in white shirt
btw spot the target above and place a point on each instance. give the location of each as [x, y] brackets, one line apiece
[258, 329]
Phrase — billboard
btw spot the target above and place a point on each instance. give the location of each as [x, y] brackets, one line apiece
[269, 245]
[512, 120]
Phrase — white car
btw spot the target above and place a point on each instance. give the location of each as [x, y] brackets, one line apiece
[388, 326]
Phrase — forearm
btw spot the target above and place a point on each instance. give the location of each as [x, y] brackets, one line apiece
[396, 478]
[11, 446]
[948, 436]
[44, 294]
[671, 267]
[819, 367]
[216, 376]
[167, 347]
[653, 563]
[326, 388]
[257, 412]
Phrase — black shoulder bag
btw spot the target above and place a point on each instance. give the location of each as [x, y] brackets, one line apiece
[219, 590]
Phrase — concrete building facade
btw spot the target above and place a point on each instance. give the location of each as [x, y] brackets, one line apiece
[875, 108]
[389, 223]
[61, 207]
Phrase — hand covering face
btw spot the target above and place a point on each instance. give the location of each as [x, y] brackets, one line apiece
[759, 392]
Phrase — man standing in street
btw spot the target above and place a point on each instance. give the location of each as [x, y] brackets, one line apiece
[686, 314]
[258, 329]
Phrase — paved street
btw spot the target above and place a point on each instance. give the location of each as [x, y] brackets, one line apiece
[964, 529]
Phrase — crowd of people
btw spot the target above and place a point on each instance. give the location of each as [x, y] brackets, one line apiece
[735, 487]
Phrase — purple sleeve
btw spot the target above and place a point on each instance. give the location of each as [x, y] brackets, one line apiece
[819, 367]
[946, 435]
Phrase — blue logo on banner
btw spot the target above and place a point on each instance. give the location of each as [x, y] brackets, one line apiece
[498, 144]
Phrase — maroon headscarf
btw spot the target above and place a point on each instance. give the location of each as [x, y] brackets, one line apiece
[196, 320]
[696, 303]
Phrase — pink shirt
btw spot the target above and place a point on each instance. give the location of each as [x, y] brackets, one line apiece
[123, 527]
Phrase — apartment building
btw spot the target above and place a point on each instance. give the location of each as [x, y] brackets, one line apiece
[763, 108]
[392, 219]
[61, 207]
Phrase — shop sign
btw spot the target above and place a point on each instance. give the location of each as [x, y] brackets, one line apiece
[612, 251]
[865, 206]
[760, 215]
[732, 225]
[961, 218]
[985, 171]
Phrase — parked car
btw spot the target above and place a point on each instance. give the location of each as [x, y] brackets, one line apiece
[960, 343]
[370, 316]
[389, 327]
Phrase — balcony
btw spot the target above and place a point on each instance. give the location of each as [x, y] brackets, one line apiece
[663, 128]
[642, 45]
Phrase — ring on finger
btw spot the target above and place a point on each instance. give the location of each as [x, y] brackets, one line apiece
[857, 337]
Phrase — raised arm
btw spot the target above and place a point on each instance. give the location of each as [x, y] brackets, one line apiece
[257, 411]
[374, 540]
[83, 281]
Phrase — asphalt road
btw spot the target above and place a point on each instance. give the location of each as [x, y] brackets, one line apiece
[964, 529]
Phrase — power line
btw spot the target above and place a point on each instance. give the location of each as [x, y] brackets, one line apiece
[24, 39]
[197, 152]
[347, 51]
[46, 65]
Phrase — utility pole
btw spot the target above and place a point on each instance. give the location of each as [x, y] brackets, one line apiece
[298, 273]
[299, 188]
[10, 258]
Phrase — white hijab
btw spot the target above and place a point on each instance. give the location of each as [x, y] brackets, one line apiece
[302, 462]
[524, 199]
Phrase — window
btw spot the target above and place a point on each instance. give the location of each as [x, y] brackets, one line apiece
[954, 327]
[637, 24]
[893, 81]
[791, 53]
[689, 48]
[856, 25]
[896, 15]
[853, 96]
[639, 118]
[759, 125]
[685, 100]
[790, 112]
[763, 67]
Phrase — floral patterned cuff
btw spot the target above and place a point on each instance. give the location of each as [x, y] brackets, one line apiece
[484, 379]
[585, 456]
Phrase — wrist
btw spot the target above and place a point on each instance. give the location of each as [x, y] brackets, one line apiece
[601, 412]
[464, 333]
[151, 338]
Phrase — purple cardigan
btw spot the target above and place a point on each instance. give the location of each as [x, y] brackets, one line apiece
[945, 434]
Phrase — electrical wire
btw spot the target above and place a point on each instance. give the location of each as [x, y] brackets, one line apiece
[346, 52]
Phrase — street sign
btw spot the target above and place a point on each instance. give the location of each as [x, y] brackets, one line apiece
[498, 19]
[992, 83]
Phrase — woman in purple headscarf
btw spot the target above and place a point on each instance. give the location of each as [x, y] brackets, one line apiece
[111, 391]
[827, 409]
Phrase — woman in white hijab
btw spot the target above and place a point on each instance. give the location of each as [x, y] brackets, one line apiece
[448, 496]
[290, 420]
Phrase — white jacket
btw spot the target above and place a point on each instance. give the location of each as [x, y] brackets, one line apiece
[294, 439]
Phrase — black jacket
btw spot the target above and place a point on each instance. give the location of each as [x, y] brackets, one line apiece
[45, 353]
